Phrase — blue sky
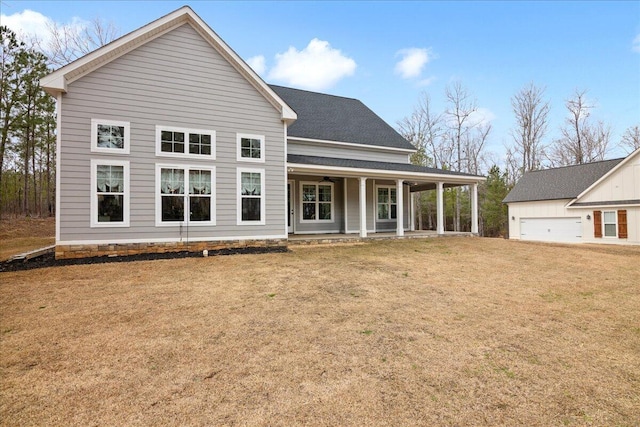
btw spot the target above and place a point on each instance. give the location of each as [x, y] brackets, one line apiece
[356, 49]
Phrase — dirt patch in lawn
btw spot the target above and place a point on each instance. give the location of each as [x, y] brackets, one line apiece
[444, 331]
[22, 234]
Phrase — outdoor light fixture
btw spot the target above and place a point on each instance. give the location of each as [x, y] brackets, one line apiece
[513, 218]
[588, 217]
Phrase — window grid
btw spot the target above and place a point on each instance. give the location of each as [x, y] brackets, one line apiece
[317, 202]
[186, 195]
[387, 203]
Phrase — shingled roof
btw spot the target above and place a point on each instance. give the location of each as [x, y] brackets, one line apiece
[335, 118]
[369, 164]
[559, 183]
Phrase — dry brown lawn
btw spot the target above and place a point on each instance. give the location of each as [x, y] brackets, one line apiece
[443, 331]
[18, 235]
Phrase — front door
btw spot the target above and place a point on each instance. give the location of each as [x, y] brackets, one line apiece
[290, 204]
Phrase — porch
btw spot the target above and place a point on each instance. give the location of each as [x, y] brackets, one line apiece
[344, 199]
[322, 239]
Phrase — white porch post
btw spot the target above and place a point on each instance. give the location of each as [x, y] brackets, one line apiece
[399, 208]
[363, 207]
[412, 212]
[440, 203]
[474, 208]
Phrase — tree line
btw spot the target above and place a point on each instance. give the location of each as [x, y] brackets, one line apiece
[28, 114]
[456, 139]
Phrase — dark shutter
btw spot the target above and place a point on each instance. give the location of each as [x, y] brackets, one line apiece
[597, 224]
[622, 224]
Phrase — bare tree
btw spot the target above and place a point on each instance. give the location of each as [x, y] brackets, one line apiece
[582, 141]
[424, 130]
[631, 139]
[474, 148]
[458, 114]
[69, 42]
[531, 113]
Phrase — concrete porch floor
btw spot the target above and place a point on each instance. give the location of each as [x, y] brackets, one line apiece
[315, 239]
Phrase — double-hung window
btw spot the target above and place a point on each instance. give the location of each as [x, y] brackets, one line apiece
[110, 136]
[317, 202]
[251, 197]
[183, 142]
[387, 203]
[109, 193]
[250, 148]
[609, 224]
[185, 194]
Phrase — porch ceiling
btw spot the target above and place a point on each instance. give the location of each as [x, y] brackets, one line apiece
[419, 178]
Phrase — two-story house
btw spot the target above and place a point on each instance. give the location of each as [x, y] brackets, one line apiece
[167, 140]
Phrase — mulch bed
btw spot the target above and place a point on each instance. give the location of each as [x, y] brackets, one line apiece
[49, 260]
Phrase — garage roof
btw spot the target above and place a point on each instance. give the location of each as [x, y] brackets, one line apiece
[559, 183]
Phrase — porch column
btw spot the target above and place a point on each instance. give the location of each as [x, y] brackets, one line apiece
[399, 208]
[440, 203]
[412, 212]
[363, 207]
[474, 208]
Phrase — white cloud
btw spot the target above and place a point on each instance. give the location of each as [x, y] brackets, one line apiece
[412, 62]
[258, 64]
[635, 46]
[28, 23]
[33, 25]
[482, 116]
[318, 66]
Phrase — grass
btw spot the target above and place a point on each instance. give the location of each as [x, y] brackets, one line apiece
[477, 332]
[18, 235]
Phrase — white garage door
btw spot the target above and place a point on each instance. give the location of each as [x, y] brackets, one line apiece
[551, 229]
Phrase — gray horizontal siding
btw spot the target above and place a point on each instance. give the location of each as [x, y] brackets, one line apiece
[343, 152]
[177, 80]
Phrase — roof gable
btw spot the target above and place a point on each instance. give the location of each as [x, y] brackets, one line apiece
[339, 119]
[559, 183]
[624, 174]
[57, 81]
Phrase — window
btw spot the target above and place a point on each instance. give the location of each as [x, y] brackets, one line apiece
[387, 203]
[182, 142]
[109, 136]
[185, 194]
[317, 201]
[251, 199]
[109, 193]
[609, 223]
[250, 148]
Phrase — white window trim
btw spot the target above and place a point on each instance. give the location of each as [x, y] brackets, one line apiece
[239, 196]
[301, 202]
[94, 136]
[186, 131]
[94, 194]
[239, 157]
[615, 222]
[186, 221]
[389, 187]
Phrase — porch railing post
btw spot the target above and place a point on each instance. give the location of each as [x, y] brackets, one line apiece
[474, 208]
[440, 209]
[363, 207]
[399, 208]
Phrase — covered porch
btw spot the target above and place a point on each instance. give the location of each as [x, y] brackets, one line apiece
[356, 199]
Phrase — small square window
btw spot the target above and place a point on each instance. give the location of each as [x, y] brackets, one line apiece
[250, 148]
[109, 136]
